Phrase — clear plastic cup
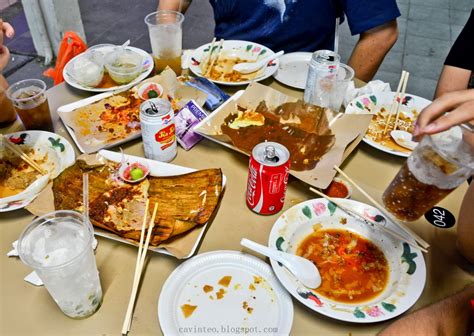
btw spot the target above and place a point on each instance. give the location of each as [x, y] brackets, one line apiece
[437, 166]
[123, 65]
[166, 39]
[58, 246]
[31, 103]
[329, 88]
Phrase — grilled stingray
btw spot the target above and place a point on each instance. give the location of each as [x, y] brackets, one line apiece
[184, 201]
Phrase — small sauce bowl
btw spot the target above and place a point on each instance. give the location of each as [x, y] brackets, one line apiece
[150, 90]
[133, 172]
[338, 188]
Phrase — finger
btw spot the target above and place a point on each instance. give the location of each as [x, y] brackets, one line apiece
[445, 103]
[461, 114]
[4, 50]
[4, 57]
[8, 29]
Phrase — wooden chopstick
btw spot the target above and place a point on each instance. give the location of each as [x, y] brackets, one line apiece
[218, 54]
[142, 249]
[208, 59]
[402, 96]
[395, 102]
[367, 220]
[23, 156]
[389, 216]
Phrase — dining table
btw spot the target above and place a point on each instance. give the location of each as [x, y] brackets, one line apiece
[26, 309]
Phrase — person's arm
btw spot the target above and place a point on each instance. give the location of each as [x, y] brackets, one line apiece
[465, 236]
[448, 317]
[176, 5]
[452, 79]
[371, 49]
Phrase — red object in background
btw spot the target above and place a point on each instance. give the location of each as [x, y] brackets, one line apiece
[269, 168]
[71, 46]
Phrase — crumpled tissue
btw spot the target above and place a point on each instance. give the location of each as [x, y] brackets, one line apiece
[371, 87]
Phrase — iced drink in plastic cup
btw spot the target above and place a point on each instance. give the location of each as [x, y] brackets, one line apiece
[437, 166]
[29, 99]
[166, 39]
[59, 248]
[7, 112]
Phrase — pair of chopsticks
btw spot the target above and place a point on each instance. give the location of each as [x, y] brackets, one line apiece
[23, 156]
[418, 239]
[142, 250]
[213, 58]
[397, 101]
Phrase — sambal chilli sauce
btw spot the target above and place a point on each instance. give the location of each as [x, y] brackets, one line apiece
[352, 268]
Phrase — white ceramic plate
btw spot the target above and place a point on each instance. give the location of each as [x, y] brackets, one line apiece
[270, 305]
[157, 168]
[60, 156]
[245, 49]
[407, 267]
[372, 103]
[146, 70]
[293, 69]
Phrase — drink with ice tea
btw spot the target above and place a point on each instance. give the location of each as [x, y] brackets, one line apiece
[166, 37]
[174, 62]
[30, 102]
[437, 166]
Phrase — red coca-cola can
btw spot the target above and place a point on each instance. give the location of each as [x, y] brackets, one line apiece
[269, 168]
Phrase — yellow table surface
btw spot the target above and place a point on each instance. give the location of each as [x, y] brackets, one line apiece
[29, 310]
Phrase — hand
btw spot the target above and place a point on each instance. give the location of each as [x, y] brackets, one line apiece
[7, 30]
[434, 119]
[4, 57]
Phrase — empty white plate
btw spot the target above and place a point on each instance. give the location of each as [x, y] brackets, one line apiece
[293, 69]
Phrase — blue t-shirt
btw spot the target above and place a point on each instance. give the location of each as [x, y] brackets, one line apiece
[297, 25]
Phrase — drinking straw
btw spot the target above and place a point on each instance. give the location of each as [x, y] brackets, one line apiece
[85, 201]
[336, 36]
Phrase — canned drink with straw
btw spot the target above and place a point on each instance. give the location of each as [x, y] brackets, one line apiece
[158, 129]
[438, 165]
[269, 168]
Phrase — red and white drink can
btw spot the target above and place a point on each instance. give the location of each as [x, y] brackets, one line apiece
[158, 129]
[269, 168]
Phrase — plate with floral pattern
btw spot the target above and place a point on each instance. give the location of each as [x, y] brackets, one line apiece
[407, 270]
[379, 105]
[50, 151]
[232, 50]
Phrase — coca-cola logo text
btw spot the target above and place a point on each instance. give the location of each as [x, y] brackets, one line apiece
[251, 184]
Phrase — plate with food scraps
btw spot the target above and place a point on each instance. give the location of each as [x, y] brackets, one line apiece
[233, 52]
[107, 84]
[19, 182]
[379, 105]
[367, 276]
[293, 69]
[104, 120]
[224, 292]
[156, 169]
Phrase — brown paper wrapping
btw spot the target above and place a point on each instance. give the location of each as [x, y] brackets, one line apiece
[171, 88]
[179, 246]
[348, 129]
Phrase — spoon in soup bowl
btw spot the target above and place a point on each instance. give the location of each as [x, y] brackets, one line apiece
[249, 67]
[303, 269]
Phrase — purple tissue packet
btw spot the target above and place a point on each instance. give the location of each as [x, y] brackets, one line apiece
[189, 116]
